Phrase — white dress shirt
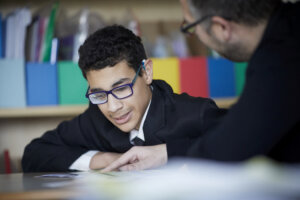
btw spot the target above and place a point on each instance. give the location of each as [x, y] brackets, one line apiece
[83, 162]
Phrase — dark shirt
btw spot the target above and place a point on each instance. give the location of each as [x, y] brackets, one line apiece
[266, 118]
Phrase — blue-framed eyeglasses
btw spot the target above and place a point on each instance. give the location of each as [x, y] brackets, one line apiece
[120, 92]
[190, 28]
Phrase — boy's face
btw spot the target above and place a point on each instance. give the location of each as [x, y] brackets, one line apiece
[126, 114]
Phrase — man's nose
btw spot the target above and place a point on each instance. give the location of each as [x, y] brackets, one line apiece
[113, 103]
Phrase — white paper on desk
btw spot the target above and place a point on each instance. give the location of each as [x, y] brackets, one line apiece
[200, 179]
[66, 175]
[58, 184]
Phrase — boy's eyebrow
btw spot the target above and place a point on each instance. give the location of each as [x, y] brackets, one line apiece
[122, 80]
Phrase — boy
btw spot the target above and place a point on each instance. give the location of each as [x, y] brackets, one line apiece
[127, 109]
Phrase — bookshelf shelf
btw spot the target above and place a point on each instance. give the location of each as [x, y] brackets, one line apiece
[42, 111]
[70, 110]
[225, 102]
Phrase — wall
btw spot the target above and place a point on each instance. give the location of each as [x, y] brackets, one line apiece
[145, 10]
[15, 134]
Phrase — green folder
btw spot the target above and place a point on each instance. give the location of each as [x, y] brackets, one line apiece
[240, 75]
[46, 48]
[72, 85]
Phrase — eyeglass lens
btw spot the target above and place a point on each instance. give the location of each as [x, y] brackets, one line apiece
[118, 92]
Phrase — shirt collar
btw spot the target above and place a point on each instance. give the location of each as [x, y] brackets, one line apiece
[139, 133]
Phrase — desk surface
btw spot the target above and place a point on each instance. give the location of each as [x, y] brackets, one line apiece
[258, 179]
[33, 186]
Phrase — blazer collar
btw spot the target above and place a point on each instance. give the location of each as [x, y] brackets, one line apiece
[118, 139]
[155, 120]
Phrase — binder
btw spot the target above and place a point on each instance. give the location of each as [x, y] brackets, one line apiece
[12, 83]
[48, 35]
[240, 76]
[167, 69]
[194, 76]
[221, 78]
[41, 84]
[72, 85]
[1, 36]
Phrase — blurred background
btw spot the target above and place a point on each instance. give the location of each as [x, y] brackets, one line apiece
[41, 84]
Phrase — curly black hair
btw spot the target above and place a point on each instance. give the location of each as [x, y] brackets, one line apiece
[109, 46]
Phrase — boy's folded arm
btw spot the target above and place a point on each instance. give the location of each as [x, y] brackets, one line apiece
[93, 160]
[102, 159]
[41, 157]
[83, 162]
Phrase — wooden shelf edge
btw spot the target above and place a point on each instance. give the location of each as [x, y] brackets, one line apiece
[72, 110]
[43, 111]
[225, 102]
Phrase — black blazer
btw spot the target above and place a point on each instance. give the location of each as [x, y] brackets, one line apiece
[170, 116]
[266, 119]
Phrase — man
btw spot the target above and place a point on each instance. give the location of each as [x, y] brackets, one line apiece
[127, 109]
[266, 118]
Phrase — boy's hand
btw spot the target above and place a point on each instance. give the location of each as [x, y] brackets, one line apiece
[103, 159]
[139, 158]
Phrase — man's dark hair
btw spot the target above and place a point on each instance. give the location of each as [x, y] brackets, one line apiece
[109, 46]
[250, 12]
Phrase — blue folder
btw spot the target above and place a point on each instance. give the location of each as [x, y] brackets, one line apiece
[221, 77]
[41, 83]
[1, 36]
[12, 83]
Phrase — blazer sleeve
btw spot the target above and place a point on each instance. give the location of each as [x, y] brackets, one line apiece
[265, 113]
[57, 149]
[208, 116]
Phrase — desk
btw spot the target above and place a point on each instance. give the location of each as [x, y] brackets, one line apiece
[32, 186]
[181, 179]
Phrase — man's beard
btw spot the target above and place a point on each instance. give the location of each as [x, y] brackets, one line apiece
[235, 52]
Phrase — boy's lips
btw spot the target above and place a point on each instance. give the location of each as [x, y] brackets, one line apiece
[123, 119]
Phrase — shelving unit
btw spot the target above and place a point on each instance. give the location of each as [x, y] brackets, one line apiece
[43, 111]
[70, 110]
[145, 10]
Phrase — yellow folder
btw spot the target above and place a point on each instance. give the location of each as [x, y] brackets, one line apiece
[167, 69]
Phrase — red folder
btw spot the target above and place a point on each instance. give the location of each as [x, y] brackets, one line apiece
[7, 162]
[194, 76]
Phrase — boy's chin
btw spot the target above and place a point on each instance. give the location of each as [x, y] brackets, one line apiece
[126, 127]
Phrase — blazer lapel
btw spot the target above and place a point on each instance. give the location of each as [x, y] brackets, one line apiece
[155, 119]
[118, 139]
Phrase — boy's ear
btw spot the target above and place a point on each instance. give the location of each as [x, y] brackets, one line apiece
[148, 71]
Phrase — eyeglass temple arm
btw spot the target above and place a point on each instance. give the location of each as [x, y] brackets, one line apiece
[137, 73]
[87, 92]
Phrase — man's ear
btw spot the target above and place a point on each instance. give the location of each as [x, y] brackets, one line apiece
[221, 29]
[148, 71]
